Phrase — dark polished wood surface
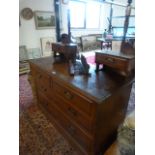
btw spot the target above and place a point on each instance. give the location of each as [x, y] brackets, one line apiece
[116, 54]
[86, 110]
[97, 86]
[120, 62]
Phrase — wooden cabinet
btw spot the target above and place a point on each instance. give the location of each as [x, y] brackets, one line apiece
[120, 62]
[86, 110]
[67, 51]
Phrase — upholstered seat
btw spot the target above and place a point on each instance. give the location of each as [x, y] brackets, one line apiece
[126, 135]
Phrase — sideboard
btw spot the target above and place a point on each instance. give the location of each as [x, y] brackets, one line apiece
[86, 110]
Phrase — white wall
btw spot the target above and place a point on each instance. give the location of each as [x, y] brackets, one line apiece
[28, 34]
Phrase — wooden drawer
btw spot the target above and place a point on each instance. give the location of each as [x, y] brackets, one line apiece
[82, 103]
[43, 83]
[111, 61]
[73, 113]
[76, 133]
[43, 78]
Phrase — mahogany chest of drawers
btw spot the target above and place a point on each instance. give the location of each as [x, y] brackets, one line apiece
[86, 110]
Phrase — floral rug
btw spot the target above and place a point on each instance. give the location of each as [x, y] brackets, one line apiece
[37, 136]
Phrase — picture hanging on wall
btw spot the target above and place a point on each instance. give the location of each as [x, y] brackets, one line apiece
[46, 46]
[44, 19]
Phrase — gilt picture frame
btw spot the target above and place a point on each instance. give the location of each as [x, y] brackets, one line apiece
[44, 20]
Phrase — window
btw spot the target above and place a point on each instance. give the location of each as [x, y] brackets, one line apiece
[92, 15]
[84, 15]
[77, 14]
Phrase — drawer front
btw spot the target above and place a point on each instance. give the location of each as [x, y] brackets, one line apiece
[73, 131]
[73, 113]
[111, 61]
[71, 97]
[43, 83]
[76, 134]
[42, 80]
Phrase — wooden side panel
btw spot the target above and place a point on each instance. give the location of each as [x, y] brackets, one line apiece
[110, 114]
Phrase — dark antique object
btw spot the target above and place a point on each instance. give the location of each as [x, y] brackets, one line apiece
[65, 38]
[85, 65]
[86, 110]
[66, 51]
[105, 43]
[27, 13]
[79, 67]
[121, 63]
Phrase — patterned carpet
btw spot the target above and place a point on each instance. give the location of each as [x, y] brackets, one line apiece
[37, 134]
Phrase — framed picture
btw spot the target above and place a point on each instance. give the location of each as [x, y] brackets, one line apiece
[44, 19]
[46, 46]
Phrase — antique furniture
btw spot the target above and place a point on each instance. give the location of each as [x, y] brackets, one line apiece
[89, 42]
[67, 51]
[114, 43]
[105, 43]
[122, 63]
[86, 110]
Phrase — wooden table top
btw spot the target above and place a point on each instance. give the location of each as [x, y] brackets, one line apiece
[96, 86]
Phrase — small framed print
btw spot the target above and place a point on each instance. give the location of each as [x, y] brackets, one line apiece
[46, 45]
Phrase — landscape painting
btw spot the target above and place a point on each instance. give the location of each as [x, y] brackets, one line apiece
[44, 20]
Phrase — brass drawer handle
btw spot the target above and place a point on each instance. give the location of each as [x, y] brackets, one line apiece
[110, 60]
[72, 111]
[68, 95]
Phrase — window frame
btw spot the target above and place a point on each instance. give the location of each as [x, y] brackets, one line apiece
[84, 15]
[85, 20]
